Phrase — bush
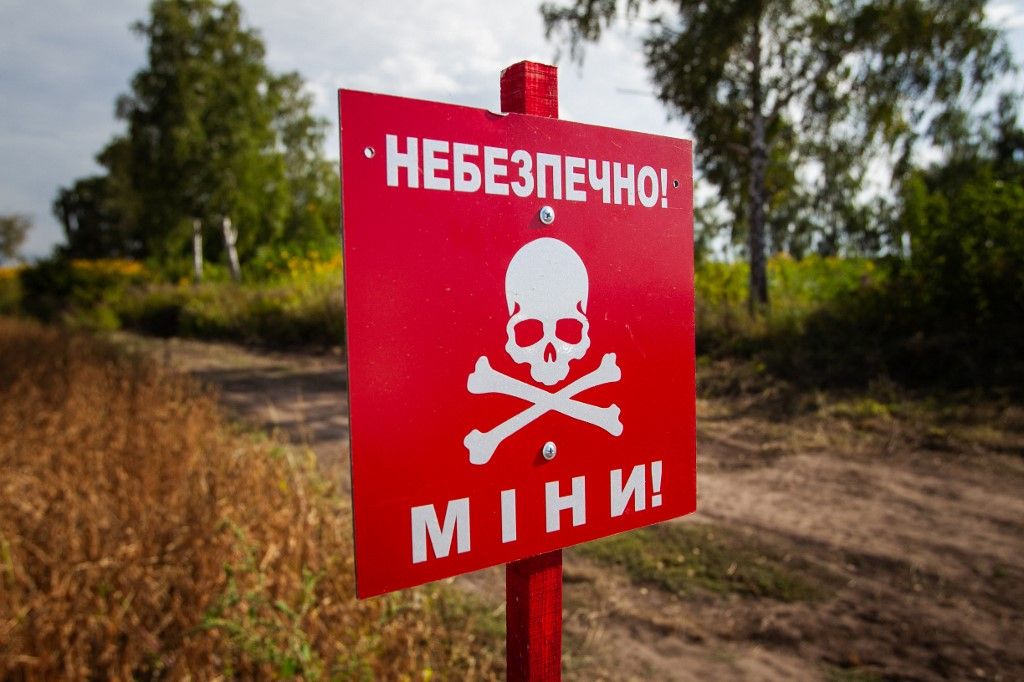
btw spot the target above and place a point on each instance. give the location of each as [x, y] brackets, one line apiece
[847, 322]
[300, 306]
[295, 261]
[141, 538]
[967, 232]
[305, 312]
[10, 291]
[799, 289]
[77, 292]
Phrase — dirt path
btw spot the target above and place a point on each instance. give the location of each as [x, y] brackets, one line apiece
[921, 540]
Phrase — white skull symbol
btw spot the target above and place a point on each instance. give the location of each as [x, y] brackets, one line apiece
[546, 289]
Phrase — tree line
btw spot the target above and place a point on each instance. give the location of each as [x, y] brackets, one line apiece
[809, 117]
[215, 145]
[806, 111]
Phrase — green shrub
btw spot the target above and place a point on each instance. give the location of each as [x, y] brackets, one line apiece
[967, 233]
[847, 322]
[301, 306]
[10, 291]
[799, 289]
[77, 292]
[304, 312]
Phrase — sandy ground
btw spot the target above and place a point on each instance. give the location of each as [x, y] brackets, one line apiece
[925, 539]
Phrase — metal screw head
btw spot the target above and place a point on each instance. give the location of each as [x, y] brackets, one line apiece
[547, 215]
[549, 451]
[369, 152]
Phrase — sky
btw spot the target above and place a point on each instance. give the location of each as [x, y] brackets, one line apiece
[63, 64]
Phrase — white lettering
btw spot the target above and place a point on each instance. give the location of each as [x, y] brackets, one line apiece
[524, 187]
[635, 489]
[467, 174]
[508, 515]
[409, 160]
[647, 174]
[600, 182]
[555, 505]
[554, 163]
[424, 523]
[433, 163]
[624, 182]
[464, 167]
[573, 177]
[494, 170]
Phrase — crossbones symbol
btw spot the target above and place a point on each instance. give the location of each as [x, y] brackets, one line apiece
[546, 289]
[485, 379]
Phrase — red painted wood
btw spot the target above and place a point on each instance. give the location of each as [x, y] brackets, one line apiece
[533, 586]
[533, 618]
[530, 88]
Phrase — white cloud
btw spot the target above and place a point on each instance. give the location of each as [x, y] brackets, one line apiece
[1007, 15]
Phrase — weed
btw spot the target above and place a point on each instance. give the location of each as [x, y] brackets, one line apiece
[141, 537]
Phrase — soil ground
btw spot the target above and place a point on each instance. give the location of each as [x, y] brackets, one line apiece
[903, 519]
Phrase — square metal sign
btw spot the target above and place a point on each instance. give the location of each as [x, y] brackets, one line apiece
[519, 304]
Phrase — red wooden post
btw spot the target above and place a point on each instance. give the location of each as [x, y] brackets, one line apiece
[530, 88]
[533, 618]
[533, 587]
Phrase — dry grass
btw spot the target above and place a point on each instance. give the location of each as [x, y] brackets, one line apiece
[141, 537]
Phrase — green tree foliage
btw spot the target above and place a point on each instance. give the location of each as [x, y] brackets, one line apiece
[952, 314]
[100, 212]
[312, 181]
[965, 218]
[13, 230]
[211, 133]
[791, 101]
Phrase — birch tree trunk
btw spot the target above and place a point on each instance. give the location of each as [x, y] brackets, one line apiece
[230, 237]
[197, 249]
[758, 296]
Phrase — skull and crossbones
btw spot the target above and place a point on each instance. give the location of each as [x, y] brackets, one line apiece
[546, 289]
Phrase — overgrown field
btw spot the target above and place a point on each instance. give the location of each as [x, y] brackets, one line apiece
[293, 300]
[831, 322]
[298, 298]
[142, 536]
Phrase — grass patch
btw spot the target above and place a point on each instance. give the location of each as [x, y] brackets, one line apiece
[683, 558]
[143, 537]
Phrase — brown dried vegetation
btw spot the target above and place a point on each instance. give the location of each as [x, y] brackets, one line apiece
[143, 537]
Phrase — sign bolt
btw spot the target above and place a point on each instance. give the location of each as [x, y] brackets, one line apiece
[549, 451]
[547, 216]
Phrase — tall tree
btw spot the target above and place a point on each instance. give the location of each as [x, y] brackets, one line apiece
[792, 100]
[14, 228]
[200, 128]
[212, 134]
[312, 180]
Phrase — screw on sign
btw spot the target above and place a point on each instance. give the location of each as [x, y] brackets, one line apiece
[520, 341]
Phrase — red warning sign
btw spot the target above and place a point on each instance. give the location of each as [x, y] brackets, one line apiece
[519, 297]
